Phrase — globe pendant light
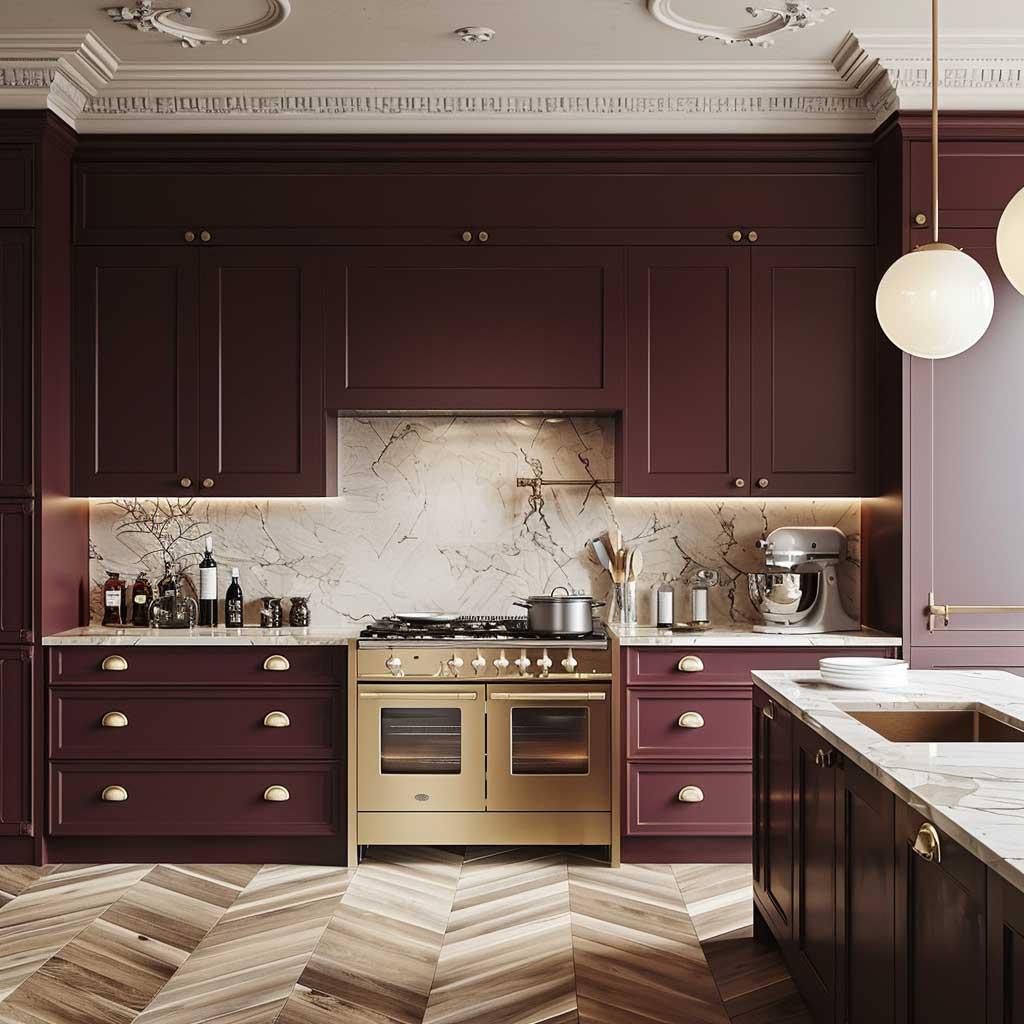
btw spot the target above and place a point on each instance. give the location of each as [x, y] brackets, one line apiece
[1010, 241]
[936, 301]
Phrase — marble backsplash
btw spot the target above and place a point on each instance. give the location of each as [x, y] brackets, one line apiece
[430, 517]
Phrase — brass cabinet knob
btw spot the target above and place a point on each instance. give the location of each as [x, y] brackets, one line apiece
[208, 482]
[737, 236]
[483, 236]
[691, 720]
[185, 481]
[114, 794]
[691, 663]
[276, 720]
[277, 663]
[691, 795]
[114, 720]
[205, 236]
[276, 794]
[752, 236]
[190, 236]
[739, 482]
[114, 663]
[467, 236]
[763, 482]
[927, 845]
[920, 219]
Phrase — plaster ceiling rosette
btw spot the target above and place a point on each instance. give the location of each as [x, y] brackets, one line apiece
[177, 22]
[766, 24]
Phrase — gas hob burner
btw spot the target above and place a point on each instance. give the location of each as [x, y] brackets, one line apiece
[465, 628]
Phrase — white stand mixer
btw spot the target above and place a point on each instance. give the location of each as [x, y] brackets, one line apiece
[799, 590]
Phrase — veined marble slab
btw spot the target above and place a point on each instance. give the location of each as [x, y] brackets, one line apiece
[207, 636]
[744, 636]
[972, 791]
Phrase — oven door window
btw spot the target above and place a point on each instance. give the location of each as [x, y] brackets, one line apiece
[550, 741]
[420, 741]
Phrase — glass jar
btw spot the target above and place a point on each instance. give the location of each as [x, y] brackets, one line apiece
[115, 600]
[271, 614]
[142, 597]
[298, 613]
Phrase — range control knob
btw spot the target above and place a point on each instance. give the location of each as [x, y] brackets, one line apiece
[501, 663]
[478, 663]
[455, 663]
[569, 663]
[544, 663]
[522, 663]
[394, 666]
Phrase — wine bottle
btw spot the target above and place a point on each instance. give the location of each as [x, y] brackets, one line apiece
[208, 587]
[234, 603]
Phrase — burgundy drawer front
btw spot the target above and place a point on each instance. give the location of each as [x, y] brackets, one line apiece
[654, 732]
[313, 665]
[204, 799]
[653, 666]
[654, 807]
[197, 724]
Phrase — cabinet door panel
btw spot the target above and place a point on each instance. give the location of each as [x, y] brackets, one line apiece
[1005, 952]
[16, 572]
[262, 423]
[15, 741]
[813, 339]
[135, 369]
[15, 364]
[476, 327]
[687, 429]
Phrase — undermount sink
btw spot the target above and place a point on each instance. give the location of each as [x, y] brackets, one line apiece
[960, 725]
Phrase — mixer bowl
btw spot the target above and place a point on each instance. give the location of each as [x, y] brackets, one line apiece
[784, 598]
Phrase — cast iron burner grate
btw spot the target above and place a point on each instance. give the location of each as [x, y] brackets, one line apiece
[465, 627]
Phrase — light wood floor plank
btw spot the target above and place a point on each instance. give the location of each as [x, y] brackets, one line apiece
[16, 878]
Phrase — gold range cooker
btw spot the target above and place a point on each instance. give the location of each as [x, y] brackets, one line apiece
[487, 738]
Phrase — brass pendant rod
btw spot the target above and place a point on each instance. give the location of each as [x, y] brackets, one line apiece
[935, 120]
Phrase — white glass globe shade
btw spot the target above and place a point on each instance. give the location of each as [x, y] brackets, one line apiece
[1010, 241]
[935, 302]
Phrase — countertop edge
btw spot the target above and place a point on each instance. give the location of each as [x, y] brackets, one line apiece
[651, 636]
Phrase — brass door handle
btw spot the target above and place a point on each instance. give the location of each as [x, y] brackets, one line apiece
[114, 720]
[691, 720]
[691, 663]
[691, 795]
[927, 845]
[277, 663]
[114, 794]
[819, 758]
[768, 710]
[276, 720]
[276, 794]
[114, 663]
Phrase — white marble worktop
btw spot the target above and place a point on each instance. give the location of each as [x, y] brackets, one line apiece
[209, 636]
[972, 791]
[744, 636]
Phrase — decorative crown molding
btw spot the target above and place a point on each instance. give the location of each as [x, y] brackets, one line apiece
[792, 16]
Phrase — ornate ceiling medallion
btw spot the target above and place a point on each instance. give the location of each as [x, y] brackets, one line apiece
[769, 22]
[145, 17]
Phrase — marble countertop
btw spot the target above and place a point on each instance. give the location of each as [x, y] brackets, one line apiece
[213, 636]
[972, 791]
[744, 636]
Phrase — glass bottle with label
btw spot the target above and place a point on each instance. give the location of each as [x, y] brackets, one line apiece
[234, 603]
[208, 592]
[665, 599]
[115, 600]
[142, 595]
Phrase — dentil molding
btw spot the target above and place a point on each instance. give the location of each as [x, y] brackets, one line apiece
[870, 75]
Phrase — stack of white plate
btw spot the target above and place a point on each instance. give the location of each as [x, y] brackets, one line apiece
[864, 673]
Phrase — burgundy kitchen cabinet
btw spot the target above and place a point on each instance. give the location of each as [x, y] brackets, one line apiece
[199, 372]
[16, 572]
[941, 966]
[15, 741]
[15, 362]
[17, 185]
[687, 424]
[475, 327]
[1005, 952]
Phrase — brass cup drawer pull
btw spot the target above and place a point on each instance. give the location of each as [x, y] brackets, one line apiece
[927, 845]
[691, 720]
[276, 720]
[691, 663]
[114, 720]
[691, 795]
[768, 711]
[276, 794]
[114, 794]
[114, 663]
[277, 663]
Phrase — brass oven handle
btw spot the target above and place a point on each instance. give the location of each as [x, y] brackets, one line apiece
[549, 696]
[277, 663]
[114, 720]
[114, 663]
[927, 845]
[114, 794]
[276, 720]
[691, 663]
[276, 794]
[366, 695]
[691, 795]
[691, 720]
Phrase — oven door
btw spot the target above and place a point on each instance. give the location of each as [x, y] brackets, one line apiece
[421, 747]
[548, 746]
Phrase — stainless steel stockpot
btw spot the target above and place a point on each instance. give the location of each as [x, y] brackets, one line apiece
[560, 614]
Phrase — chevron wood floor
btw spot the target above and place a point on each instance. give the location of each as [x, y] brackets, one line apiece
[411, 936]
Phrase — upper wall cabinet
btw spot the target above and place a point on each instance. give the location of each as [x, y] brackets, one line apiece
[476, 327]
[15, 363]
[574, 201]
[199, 372]
[17, 172]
